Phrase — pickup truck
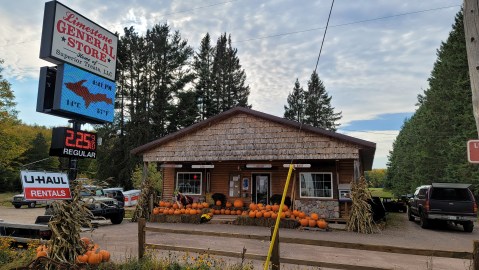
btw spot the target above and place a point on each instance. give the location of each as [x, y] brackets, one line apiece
[443, 202]
[19, 200]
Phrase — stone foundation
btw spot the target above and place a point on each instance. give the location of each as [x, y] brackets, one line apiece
[326, 209]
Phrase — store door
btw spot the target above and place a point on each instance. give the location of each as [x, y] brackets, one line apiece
[260, 188]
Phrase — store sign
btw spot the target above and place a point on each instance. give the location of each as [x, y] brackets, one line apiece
[69, 37]
[45, 185]
[67, 142]
[74, 93]
[473, 151]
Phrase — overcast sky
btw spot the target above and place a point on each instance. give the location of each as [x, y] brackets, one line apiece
[376, 58]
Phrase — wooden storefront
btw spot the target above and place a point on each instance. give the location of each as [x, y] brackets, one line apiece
[243, 153]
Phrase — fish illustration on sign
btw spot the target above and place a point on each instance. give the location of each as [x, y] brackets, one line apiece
[83, 92]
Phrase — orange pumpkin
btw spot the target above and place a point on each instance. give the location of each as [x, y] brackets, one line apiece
[253, 206]
[167, 204]
[227, 212]
[205, 205]
[244, 214]
[314, 216]
[322, 224]
[259, 214]
[42, 253]
[82, 258]
[156, 211]
[162, 204]
[304, 222]
[312, 223]
[198, 211]
[238, 203]
[301, 214]
[267, 214]
[177, 212]
[171, 211]
[238, 212]
[94, 258]
[217, 212]
[228, 204]
[268, 207]
[218, 203]
[252, 214]
[194, 205]
[274, 215]
[283, 215]
[285, 208]
[105, 255]
[86, 241]
[222, 211]
[275, 207]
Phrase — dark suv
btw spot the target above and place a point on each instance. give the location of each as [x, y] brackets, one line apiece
[443, 201]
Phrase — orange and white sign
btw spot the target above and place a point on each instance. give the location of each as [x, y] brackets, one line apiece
[45, 185]
[473, 151]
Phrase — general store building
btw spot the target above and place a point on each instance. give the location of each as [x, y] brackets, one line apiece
[243, 153]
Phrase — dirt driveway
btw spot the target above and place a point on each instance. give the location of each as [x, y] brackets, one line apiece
[122, 241]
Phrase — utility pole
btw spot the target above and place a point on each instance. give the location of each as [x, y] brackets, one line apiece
[471, 29]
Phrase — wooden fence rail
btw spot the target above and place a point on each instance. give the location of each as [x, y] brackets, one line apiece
[142, 229]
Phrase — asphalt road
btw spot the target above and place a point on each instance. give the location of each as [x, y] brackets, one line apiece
[122, 241]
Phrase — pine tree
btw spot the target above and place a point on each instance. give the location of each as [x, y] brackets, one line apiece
[318, 111]
[203, 65]
[38, 154]
[295, 109]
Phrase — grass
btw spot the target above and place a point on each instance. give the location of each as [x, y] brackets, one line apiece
[380, 192]
[6, 198]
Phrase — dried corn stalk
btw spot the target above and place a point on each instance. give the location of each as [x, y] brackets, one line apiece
[68, 219]
[142, 209]
[360, 217]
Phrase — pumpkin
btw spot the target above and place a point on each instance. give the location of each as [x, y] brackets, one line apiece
[252, 214]
[238, 203]
[41, 253]
[274, 215]
[238, 212]
[275, 207]
[171, 211]
[304, 222]
[162, 204]
[253, 206]
[301, 214]
[227, 212]
[229, 204]
[167, 204]
[222, 211]
[259, 214]
[188, 206]
[218, 203]
[295, 213]
[287, 214]
[322, 224]
[105, 255]
[312, 223]
[198, 211]
[268, 207]
[205, 205]
[82, 258]
[183, 211]
[285, 208]
[94, 258]
[194, 205]
[244, 214]
[267, 214]
[156, 211]
[314, 216]
[86, 241]
[217, 212]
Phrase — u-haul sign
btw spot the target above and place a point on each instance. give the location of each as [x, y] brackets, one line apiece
[45, 185]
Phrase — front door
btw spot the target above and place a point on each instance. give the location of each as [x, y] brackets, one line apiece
[260, 188]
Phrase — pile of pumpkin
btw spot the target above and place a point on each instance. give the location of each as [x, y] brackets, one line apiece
[93, 254]
[169, 208]
[271, 211]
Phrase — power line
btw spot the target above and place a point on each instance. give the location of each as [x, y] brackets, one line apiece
[324, 35]
[345, 24]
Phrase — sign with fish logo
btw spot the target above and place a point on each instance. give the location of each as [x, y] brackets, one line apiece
[84, 94]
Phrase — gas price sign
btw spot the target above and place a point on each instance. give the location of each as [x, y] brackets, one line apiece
[67, 142]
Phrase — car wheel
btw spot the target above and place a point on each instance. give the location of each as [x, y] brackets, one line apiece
[424, 222]
[468, 226]
[17, 206]
[31, 204]
[409, 215]
[116, 219]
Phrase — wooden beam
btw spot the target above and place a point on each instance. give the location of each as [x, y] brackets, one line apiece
[471, 20]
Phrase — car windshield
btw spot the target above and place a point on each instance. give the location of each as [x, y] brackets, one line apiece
[450, 194]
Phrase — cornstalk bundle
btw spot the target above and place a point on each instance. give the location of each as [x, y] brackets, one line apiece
[66, 223]
[142, 209]
[360, 217]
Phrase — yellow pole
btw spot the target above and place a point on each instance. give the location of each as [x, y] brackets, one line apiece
[278, 218]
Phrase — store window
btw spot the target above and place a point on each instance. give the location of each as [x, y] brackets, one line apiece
[189, 183]
[316, 185]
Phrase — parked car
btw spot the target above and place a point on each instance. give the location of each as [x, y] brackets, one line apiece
[115, 193]
[19, 200]
[443, 202]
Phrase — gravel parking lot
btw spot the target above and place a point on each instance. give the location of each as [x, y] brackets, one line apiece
[122, 241]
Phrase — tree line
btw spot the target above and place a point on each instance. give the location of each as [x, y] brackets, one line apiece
[431, 145]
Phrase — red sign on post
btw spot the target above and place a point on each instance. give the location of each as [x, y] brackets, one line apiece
[45, 185]
[473, 151]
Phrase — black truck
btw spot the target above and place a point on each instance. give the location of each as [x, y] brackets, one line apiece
[443, 202]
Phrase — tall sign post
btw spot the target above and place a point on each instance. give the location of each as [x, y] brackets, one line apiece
[82, 86]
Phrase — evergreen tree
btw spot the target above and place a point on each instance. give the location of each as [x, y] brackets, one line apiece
[203, 65]
[186, 111]
[38, 155]
[431, 146]
[318, 111]
[295, 108]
